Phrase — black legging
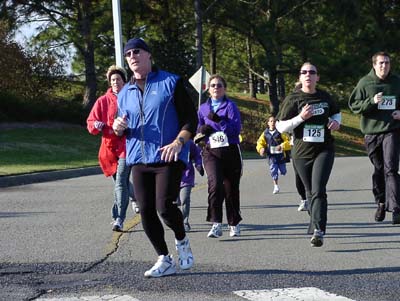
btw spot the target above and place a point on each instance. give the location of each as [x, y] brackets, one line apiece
[156, 188]
[314, 174]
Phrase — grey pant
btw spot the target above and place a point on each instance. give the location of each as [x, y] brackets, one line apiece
[184, 197]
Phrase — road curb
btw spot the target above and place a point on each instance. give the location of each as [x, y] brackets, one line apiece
[47, 176]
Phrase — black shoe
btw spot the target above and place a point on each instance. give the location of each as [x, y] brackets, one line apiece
[396, 217]
[317, 240]
[380, 212]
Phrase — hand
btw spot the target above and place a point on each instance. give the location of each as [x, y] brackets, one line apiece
[214, 117]
[98, 125]
[199, 138]
[262, 152]
[279, 147]
[119, 125]
[378, 97]
[171, 151]
[333, 125]
[396, 114]
[306, 112]
[206, 129]
[200, 169]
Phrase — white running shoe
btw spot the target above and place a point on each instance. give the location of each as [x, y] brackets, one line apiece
[276, 189]
[164, 266]
[216, 230]
[317, 240]
[303, 206]
[184, 253]
[135, 207]
[234, 231]
[118, 225]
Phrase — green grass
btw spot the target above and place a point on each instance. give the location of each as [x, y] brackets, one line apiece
[27, 150]
[33, 149]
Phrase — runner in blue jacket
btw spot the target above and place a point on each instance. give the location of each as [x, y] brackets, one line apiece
[158, 117]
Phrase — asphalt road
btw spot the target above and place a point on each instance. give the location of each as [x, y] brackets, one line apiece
[56, 241]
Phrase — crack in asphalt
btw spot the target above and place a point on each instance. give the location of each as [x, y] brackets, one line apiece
[112, 247]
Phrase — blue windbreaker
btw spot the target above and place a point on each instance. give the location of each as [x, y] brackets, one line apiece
[152, 118]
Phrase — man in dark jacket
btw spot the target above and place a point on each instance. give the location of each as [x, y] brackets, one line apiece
[376, 98]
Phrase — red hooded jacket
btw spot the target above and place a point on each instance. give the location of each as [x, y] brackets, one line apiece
[112, 147]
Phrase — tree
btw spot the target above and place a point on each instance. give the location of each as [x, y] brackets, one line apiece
[29, 75]
[66, 23]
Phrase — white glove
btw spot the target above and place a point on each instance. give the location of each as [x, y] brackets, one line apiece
[98, 125]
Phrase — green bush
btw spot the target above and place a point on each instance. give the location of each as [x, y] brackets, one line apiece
[16, 109]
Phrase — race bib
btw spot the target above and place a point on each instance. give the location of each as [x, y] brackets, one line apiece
[387, 103]
[218, 139]
[313, 133]
[274, 150]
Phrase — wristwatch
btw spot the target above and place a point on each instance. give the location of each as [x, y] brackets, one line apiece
[181, 141]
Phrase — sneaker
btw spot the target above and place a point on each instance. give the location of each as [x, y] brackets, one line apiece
[303, 206]
[187, 227]
[317, 240]
[135, 207]
[118, 225]
[185, 253]
[216, 230]
[396, 217]
[164, 266]
[234, 231]
[276, 189]
[380, 212]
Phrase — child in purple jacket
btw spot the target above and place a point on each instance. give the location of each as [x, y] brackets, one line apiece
[187, 182]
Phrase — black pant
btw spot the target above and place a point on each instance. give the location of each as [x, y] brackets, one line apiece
[156, 188]
[314, 174]
[301, 190]
[383, 152]
[224, 169]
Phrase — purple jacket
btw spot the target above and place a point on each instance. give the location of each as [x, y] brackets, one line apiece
[230, 123]
[194, 157]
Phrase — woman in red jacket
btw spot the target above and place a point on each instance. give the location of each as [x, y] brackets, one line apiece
[112, 148]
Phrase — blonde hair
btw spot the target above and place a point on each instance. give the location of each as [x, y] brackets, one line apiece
[113, 69]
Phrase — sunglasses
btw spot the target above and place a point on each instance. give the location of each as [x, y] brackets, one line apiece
[216, 85]
[308, 71]
[131, 52]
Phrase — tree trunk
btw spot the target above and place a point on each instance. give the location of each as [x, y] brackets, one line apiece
[252, 89]
[281, 86]
[199, 33]
[273, 95]
[262, 86]
[90, 80]
[213, 53]
[85, 21]
[281, 78]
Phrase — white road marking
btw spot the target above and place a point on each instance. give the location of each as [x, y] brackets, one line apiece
[93, 298]
[284, 294]
[290, 294]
